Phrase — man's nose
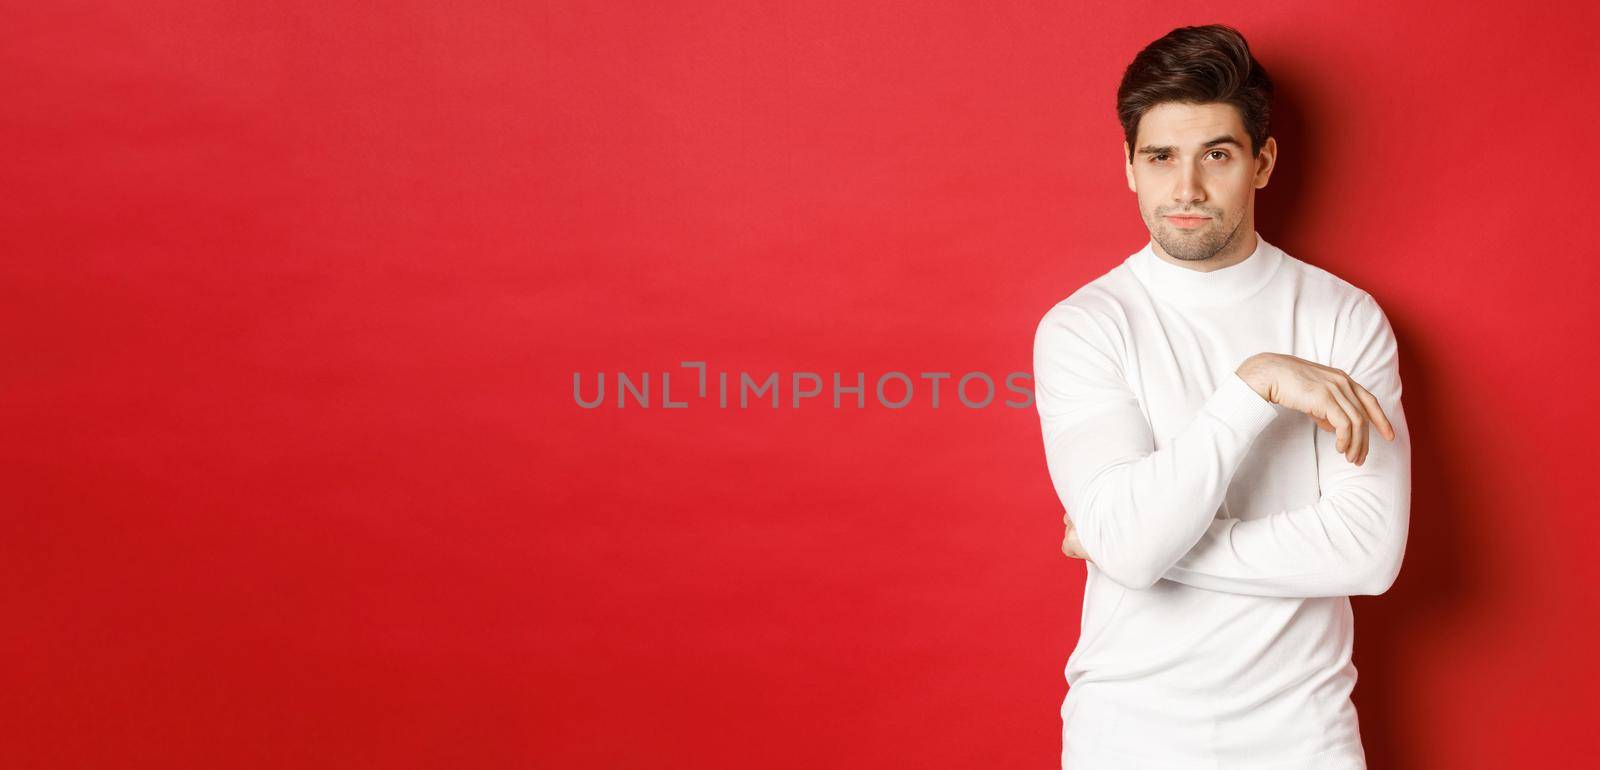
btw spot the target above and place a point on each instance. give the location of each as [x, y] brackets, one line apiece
[1189, 189]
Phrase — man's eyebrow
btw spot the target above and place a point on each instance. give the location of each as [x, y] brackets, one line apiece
[1224, 139]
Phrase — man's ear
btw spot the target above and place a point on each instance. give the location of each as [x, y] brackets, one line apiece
[1127, 166]
[1267, 161]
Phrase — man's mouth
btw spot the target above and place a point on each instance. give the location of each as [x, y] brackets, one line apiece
[1188, 222]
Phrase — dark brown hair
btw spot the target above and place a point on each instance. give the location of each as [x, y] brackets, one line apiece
[1197, 65]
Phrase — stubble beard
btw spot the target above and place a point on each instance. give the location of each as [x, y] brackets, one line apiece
[1194, 246]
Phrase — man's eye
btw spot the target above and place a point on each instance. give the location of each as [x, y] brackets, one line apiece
[1162, 156]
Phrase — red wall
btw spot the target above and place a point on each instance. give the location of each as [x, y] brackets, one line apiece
[291, 299]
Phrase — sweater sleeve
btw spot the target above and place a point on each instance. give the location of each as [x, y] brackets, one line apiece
[1351, 541]
[1137, 509]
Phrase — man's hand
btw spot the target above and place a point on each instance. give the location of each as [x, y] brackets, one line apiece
[1337, 403]
[1070, 545]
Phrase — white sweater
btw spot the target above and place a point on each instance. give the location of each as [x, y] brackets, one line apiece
[1227, 532]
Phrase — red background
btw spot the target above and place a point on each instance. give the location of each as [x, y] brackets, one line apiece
[293, 295]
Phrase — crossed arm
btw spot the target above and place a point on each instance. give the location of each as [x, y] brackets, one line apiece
[1144, 515]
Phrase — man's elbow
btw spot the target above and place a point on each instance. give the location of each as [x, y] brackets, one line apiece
[1135, 554]
[1135, 563]
[1380, 577]
[1134, 574]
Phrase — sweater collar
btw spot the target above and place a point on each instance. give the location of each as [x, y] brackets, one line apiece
[1184, 286]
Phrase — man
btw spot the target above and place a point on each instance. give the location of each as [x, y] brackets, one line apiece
[1222, 422]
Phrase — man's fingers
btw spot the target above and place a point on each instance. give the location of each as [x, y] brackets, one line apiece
[1375, 410]
[1071, 546]
[1337, 403]
[1357, 429]
[1366, 419]
[1359, 421]
[1341, 424]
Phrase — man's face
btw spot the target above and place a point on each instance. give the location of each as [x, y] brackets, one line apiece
[1193, 160]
